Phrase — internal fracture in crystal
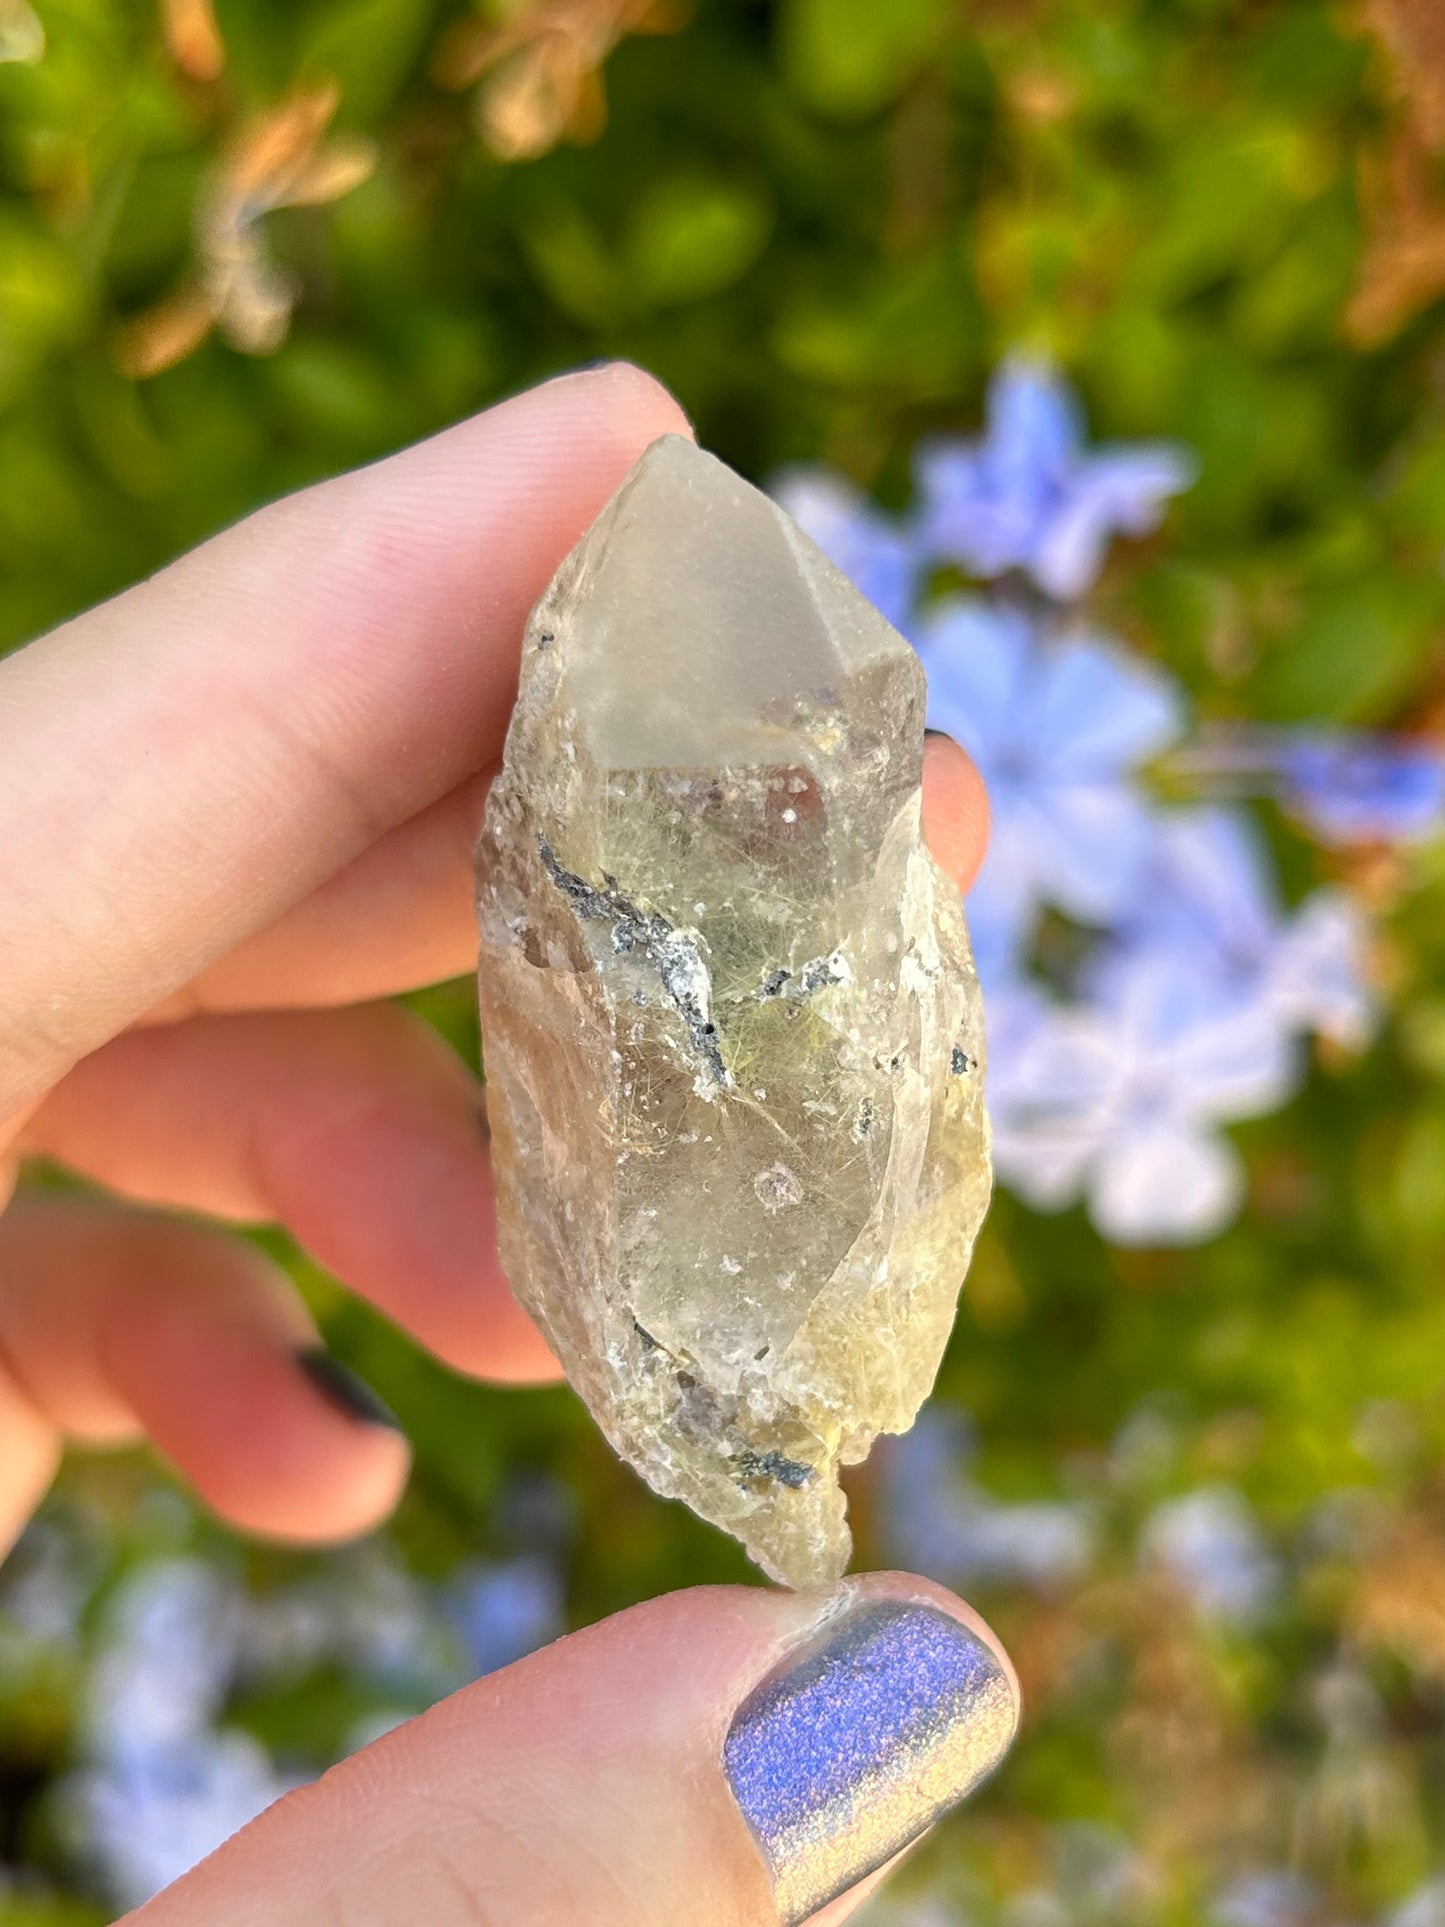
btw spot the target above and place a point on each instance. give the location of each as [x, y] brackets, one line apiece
[732, 1031]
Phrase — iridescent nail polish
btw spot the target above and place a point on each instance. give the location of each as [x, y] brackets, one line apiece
[885, 1719]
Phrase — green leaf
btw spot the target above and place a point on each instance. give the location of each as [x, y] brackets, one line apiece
[43, 301]
[369, 47]
[1355, 653]
[334, 390]
[690, 237]
[572, 261]
[55, 1910]
[914, 328]
[851, 57]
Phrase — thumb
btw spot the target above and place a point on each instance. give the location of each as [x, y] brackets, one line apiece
[726, 1757]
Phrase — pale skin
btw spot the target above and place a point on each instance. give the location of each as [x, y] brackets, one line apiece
[240, 801]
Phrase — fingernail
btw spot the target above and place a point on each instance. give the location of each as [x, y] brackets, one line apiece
[340, 1387]
[889, 1716]
[942, 734]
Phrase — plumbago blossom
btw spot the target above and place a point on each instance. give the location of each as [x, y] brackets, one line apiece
[1210, 1545]
[1120, 1101]
[1197, 1001]
[1029, 495]
[503, 1612]
[1191, 988]
[1266, 1897]
[166, 1783]
[942, 1522]
[1424, 1908]
[1352, 788]
[1058, 726]
[1345, 787]
[167, 1778]
[1208, 902]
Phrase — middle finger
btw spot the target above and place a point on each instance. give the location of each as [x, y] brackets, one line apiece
[360, 1130]
[402, 916]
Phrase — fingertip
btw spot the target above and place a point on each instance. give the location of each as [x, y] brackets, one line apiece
[398, 1202]
[511, 1350]
[955, 809]
[335, 1480]
[630, 396]
[210, 1346]
[276, 1454]
[345, 1493]
[726, 1755]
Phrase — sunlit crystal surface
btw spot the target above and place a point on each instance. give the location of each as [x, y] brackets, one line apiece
[732, 1031]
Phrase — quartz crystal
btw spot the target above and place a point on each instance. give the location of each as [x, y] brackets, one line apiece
[732, 1031]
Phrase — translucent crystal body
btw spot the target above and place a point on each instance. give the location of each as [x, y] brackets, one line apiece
[732, 1031]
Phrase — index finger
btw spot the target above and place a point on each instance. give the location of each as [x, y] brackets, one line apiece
[182, 764]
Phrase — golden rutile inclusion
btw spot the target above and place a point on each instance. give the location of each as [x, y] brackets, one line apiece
[732, 1030]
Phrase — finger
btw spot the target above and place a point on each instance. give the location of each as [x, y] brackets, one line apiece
[194, 757]
[113, 1323]
[360, 1130]
[955, 808]
[29, 1455]
[403, 914]
[721, 1758]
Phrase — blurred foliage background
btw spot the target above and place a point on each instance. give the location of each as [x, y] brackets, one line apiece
[1197, 1491]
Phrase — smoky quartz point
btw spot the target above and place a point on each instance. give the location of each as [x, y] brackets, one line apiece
[732, 1031]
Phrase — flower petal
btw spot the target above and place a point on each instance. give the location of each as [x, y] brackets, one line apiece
[1166, 1185]
[977, 658]
[1123, 491]
[1319, 975]
[1099, 711]
[1088, 844]
[1351, 787]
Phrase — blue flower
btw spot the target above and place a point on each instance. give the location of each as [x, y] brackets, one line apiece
[1030, 496]
[379, 1624]
[1057, 728]
[164, 1786]
[504, 1612]
[1119, 1102]
[1349, 787]
[1267, 1898]
[165, 1666]
[1210, 1544]
[942, 1523]
[45, 1586]
[875, 555]
[150, 1817]
[1208, 899]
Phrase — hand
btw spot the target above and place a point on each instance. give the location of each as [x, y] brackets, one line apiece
[240, 802]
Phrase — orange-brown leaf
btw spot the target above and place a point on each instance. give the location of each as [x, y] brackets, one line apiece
[1411, 34]
[194, 39]
[156, 340]
[275, 148]
[1402, 269]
